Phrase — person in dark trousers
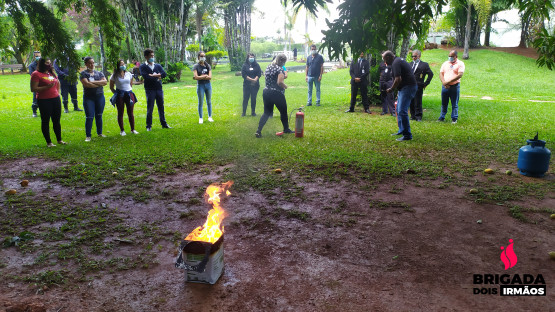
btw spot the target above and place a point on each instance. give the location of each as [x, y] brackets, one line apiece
[406, 83]
[295, 51]
[93, 97]
[386, 81]
[46, 86]
[121, 84]
[152, 74]
[359, 80]
[423, 75]
[32, 68]
[314, 71]
[69, 85]
[251, 73]
[274, 94]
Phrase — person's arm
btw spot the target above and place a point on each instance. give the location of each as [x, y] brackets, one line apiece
[280, 81]
[396, 82]
[100, 83]
[196, 76]
[430, 74]
[352, 70]
[87, 84]
[457, 77]
[112, 85]
[209, 76]
[321, 69]
[162, 72]
[58, 70]
[306, 70]
[35, 86]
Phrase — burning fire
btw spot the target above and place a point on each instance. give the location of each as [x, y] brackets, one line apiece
[211, 230]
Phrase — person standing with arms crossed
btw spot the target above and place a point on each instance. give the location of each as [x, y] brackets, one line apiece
[251, 73]
[421, 70]
[202, 73]
[93, 97]
[314, 70]
[32, 68]
[359, 80]
[404, 80]
[152, 74]
[450, 75]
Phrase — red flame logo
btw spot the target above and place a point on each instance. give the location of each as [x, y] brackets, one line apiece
[508, 255]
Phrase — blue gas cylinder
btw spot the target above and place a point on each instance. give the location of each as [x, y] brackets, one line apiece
[533, 159]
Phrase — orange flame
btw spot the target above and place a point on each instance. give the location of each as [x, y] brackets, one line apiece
[212, 230]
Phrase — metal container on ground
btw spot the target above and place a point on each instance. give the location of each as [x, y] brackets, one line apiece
[533, 159]
[203, 262]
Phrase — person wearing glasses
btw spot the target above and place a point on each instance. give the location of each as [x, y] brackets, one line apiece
[423, 75]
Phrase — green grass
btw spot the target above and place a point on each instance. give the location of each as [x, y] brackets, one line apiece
[336, 145]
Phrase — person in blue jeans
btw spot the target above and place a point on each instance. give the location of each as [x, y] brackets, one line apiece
[93, 97]
[152, 74]
[406, 83]
[314, 70]
[32, 68]
[202, 73]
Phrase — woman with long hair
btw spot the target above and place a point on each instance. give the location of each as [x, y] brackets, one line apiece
[47, 88]
[251, 73]
[93, 97]
[121, 85]
[274, 94]
[203, 74]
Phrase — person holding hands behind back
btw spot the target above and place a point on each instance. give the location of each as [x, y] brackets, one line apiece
[46, 86]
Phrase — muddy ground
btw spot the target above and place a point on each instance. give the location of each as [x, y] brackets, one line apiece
[395, 245]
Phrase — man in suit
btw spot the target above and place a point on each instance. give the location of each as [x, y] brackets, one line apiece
[152, 74]
[423, 75]
[359, 80]
[386, 81]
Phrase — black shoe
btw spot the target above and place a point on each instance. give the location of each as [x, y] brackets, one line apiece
[77, 109]
[413, 118]
[403, 139]
[441, 119]
[148, 129]
[288, 131]
[350, 111]
[367, 111]
[398, 133]
[258, 134]
[382, 113]
[392, 114]
[309, 104]
[66, 111]
[166, 127]
[253, 114]
[243, 115]
[318, 104]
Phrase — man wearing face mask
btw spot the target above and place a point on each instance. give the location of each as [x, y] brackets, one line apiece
[423, 75]
[33, 67]
[450, 75]
[152, 74]
[68, 85]
[359, 80]
[314, 70]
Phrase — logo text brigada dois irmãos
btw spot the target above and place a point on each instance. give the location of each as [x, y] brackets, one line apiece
[509, 284]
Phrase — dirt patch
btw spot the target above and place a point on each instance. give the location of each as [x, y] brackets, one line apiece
[392, 245]
[528, 52]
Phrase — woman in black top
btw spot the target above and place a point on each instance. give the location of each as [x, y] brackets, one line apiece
[274, 94]
[251, 73]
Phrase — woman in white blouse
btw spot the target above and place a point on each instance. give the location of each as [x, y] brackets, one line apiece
[120, 84]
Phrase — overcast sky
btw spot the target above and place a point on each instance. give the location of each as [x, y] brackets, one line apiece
[269, 16]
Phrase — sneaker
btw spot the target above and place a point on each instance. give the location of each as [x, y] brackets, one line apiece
[403, 139]
[200, 121]
[62, 142]
[87, 139]
[309, 104]
[210, 119]
[50, 145]
[66, 111]
[350, 111]
[382, 113]
[34, 114]
[288, 131]
[243, 115]
[148, 129]
[317, 104]
[454, 121]
[123, 133]
[166, 126]
[258, 134]
[134, 131]
[77, 109]
[101, 135]
[253, 114]
[441, 119]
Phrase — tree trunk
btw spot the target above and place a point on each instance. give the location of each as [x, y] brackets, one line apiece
[198, 20]
[488, 30]
[405, 47]
[102, 52]
[524, 32]
[467, 33]
[306, 34]
[129, 56]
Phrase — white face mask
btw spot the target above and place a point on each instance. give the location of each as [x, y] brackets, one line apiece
[202, 59]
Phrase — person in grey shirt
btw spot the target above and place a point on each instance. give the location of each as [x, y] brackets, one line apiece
[314, 70]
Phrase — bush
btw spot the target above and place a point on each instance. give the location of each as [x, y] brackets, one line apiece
[210, 56]
[174, 72]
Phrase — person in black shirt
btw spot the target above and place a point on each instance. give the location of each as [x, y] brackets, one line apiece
[406, 84]
[202, 73]
[274, 94]
[421, 70]
[386, 81]
[359, 80]
[93, 97]
[251, 73]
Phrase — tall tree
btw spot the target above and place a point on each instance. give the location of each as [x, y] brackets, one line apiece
[483, 8]
[237, 18]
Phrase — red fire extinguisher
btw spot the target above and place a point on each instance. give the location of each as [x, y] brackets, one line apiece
[299, 123]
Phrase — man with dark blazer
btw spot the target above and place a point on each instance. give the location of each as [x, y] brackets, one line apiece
[152, 74]
[423, 75]
[359, 80]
